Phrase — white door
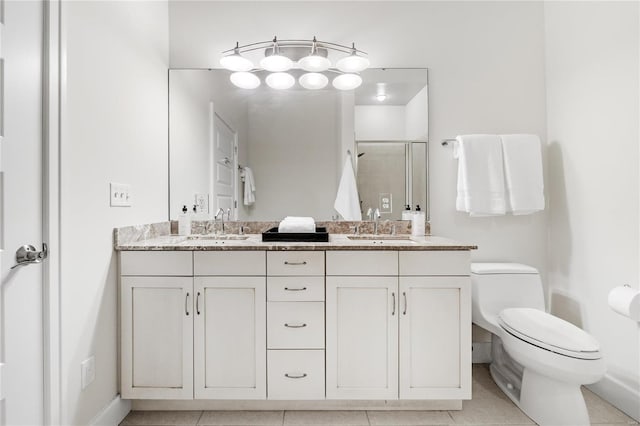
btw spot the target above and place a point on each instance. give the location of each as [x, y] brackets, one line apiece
[435, 338]
[224, 167]
[157, 337]
[21, 149]
[362, 337]
[230, 338]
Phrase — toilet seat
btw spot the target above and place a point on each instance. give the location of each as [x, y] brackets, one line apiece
[546, 331]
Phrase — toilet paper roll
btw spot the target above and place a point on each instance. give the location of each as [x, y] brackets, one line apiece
[625, 301]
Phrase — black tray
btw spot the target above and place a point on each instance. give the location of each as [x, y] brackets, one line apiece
[320, 236]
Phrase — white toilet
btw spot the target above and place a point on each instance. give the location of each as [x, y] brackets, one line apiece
[538, 360]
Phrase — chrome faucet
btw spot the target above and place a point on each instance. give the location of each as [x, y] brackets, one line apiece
[376, 218]
[220, 213]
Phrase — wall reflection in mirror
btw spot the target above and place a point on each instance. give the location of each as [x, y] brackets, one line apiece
[295, 142]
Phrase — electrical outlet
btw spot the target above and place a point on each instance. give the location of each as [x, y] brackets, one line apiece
[120, 194]
[202, 203]
[385, 202]
[88, 368]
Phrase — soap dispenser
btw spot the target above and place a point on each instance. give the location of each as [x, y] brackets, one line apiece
[407, 214]
[418, 222]
[184, 222]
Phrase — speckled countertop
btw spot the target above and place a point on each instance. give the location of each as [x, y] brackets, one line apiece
[254, 242]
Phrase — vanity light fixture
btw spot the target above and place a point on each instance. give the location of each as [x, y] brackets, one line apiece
[281, 56]
[245, 80]
[313, 81]
[280, 80]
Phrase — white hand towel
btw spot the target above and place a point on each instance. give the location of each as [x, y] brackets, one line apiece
[347, 201]
[297, 224]
[523, 173]
[249, 187]
[481, 189]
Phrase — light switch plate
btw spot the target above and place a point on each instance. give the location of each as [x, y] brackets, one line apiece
[88, 368]
[120, 194]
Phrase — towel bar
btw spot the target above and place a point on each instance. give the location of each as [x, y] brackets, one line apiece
[445, 142]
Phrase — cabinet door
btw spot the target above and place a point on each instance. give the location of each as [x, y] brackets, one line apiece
[230, 338]
[157, 337]
[435, 338]
[362, 337]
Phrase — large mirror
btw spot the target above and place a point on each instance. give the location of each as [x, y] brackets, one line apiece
[295, 143]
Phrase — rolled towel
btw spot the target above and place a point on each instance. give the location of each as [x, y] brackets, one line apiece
[297, 224]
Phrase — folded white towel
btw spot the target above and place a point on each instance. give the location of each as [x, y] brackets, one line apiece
[480, 186]
[523, 173]
[249, 187]
[347, 201]
[297, 224]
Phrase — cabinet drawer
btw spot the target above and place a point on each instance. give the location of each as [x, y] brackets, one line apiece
[295, 263]
[295, 374]
[295, 289]
[246, 263]
[362, 263]
[154, 263]
[295, 325]
[435, 262]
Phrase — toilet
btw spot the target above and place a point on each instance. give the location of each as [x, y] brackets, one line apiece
[538, 360]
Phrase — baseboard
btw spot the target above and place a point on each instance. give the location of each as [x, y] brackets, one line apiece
[618, 394]
[212, 404]
[113, 413]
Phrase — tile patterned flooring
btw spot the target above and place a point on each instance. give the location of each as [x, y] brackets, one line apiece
[489, 406]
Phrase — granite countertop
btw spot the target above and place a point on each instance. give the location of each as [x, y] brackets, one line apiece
[254, 242]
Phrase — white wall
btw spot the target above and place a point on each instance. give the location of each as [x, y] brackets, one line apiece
[114, 128]
[592, 76]
[486, 74]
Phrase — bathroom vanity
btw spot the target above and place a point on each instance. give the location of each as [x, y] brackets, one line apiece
[238, 319]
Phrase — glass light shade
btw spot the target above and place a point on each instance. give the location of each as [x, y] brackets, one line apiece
[280, 80]
[236, 62]
[381, 97]
[347, 81]
[314, 63]
[245, 80]
[313, 81]
[276, 63]
[353, 63]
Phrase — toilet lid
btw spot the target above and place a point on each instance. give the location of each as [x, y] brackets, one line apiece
[549, 332]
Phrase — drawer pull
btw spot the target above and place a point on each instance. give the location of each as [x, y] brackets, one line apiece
[286, 262]
[295, 325]
[290, 376]
[295, 289]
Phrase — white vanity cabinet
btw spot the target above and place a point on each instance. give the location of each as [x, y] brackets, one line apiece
[157, 326]
[405, 334]
[187, 336]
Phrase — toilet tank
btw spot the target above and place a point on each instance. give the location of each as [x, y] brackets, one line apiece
[497, 286]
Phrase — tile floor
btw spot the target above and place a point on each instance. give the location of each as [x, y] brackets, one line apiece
[489, 406]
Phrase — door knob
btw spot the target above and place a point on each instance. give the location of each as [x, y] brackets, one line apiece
[28, 254]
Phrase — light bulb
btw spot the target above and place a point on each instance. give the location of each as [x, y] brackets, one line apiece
[381, 97]
[276, 63]
[347, 81]
[314, 63]
[245, 80]
[236, 62]
[280, 80]
[353, 63]
[313, 80]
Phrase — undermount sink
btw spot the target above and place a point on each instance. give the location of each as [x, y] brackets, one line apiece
[215, 237]
[380, 237]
